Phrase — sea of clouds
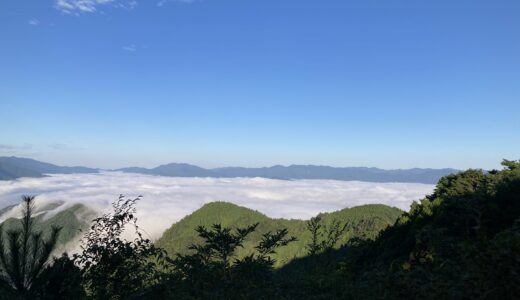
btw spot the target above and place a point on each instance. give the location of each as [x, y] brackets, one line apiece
[168, 199]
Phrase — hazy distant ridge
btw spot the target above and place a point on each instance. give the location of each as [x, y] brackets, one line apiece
[15, 167]
[174, 170]
[415, 175]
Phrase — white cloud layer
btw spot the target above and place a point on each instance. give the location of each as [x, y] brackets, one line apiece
[168, 199]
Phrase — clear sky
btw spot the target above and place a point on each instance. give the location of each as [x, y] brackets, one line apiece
[391, 84]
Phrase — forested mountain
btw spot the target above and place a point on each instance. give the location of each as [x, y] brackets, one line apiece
[15, 167]
[363, 221]
[461, 242]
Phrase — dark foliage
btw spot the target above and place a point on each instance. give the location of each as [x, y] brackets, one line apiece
[61, 280]
[324, 237]
[461, 242]
[114, 268]
[209, 273]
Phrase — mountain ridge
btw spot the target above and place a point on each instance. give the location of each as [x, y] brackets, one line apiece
[370, 174]
[12, 167]
[16, 167]
[370, 219]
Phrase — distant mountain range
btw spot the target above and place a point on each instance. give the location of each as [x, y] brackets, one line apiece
[15, 167]
[415, 175]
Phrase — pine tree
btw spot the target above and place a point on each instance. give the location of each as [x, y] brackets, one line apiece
[24, 253]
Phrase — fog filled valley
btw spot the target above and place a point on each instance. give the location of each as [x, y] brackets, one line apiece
[167, 199]
[152, 236]
[73, 200]
[259, 150]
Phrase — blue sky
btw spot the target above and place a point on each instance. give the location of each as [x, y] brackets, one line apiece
[391, 84]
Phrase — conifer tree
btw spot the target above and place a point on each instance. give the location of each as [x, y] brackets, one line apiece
[24, 252]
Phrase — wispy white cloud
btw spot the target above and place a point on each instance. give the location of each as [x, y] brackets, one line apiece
[130, 48]
[10, 149]
[7, 147]
[127, 5]
[90, 6]
[64, 147]
[168, 199]
[34, 151]
[58, 146]
[34, 22]
[163, 2]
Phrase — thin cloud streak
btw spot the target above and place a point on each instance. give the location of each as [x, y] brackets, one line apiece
[168, 199]
[34, 22]
[91, 6]
[129, 48]
[163, 2]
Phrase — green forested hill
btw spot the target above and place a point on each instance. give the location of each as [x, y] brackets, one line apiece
[72, 220]
[363, 221]
[461, 242]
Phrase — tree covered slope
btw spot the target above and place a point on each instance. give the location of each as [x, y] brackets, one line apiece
[71, 219]
[362, 221]
[461, 242]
